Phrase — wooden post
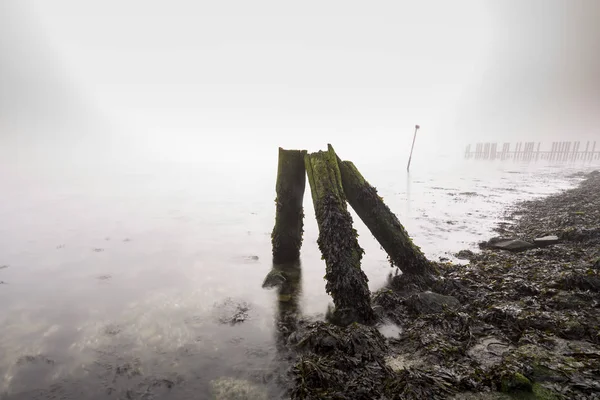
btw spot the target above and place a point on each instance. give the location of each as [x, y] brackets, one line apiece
[505, 151]
[593, 150]
[286, 237]
[494, 151]
[412, 148]
[383, 223]
[537, 156]
[346, 282]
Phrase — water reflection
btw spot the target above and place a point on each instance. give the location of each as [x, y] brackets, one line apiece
[287, 279]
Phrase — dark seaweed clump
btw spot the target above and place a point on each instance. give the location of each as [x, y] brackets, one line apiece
[507, 325]
[349, 364]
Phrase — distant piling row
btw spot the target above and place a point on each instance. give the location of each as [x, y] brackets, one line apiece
[532, 151]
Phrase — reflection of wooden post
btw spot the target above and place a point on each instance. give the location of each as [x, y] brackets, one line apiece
[291, 181]
[412, 148]
[338, 242]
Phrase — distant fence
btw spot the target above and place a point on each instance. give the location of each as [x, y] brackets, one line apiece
[531, 151]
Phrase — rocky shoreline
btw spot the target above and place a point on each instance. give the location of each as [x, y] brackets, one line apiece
[509, 324]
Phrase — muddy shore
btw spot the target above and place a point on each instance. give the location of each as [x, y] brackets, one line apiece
[521, 323]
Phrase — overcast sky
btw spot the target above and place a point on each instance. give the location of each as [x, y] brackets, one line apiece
[165, 75]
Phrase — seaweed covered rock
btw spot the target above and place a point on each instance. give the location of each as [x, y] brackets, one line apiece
[430, 303]
[589, 280]
[465, 255]
[349, 364]
[339, 363]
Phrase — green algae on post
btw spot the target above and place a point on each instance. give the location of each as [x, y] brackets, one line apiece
[291, 181]
[382, 222]
[346, 282]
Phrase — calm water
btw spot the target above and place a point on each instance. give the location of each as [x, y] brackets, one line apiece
[115, 281]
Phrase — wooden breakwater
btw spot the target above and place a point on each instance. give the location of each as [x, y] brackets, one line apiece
[534, 151]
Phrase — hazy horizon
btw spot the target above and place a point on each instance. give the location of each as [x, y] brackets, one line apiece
[176, 82]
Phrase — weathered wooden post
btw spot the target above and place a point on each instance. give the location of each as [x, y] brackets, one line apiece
[537, 156]
[412, 148]
[505, 151]
[383, 224]
[575, 153]
[593, 150]
[486, 151]
[291, 181]
[338, 242]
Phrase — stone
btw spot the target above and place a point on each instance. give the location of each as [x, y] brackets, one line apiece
[510, 245]
[431, 303]
[274, 278]
[546, 240]
[516, 382]
[489, 351]
[465, 255]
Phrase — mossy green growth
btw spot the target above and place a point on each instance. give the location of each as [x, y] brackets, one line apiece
[538, 392]
[541, 393]
[515, 382]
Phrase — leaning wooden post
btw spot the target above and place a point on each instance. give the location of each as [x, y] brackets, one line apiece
[412, 148]
[291, 181]
[346, 282]
[383, 224]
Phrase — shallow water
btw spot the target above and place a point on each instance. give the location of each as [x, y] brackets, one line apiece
[117, 283]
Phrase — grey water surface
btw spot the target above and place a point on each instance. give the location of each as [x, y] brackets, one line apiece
[146, 283]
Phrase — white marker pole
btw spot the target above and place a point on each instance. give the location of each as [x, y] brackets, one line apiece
[412, 148]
